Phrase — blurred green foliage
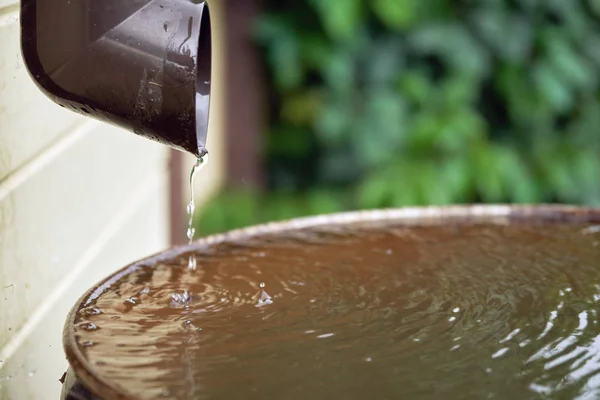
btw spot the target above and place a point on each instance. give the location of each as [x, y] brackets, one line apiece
[387, 103]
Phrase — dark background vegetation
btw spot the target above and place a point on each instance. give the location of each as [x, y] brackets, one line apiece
[388, 103]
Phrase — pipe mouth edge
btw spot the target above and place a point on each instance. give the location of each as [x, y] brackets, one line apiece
[203, 79]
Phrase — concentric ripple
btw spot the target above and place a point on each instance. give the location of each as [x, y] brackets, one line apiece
[382, 312]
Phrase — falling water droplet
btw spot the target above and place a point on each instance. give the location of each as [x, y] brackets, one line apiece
[191, 207]
[191, 232]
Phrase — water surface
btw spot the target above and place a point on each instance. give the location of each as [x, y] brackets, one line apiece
[378, 312]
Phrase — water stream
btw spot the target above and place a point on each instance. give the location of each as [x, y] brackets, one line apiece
[191, 207]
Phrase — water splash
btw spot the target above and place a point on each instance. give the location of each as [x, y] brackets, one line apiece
[181, 300]
[264, 298]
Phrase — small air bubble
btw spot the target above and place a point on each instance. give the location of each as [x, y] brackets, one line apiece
[262, 285]
[368, 359]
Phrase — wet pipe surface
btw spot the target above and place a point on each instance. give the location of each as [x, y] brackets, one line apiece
[375, 310]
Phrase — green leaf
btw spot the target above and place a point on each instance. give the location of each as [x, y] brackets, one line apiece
[403, 182]
[374, 192]
[594, 6]
[569, 64]
[341, 18]
[288, 141]
[487, 172]
[340, 72]
[381, 131]
[384, 62]
[333, 123]
[315, 50]
[323, 202]
[415, 86]
[463, 127]
[511, 36]
[552, 87]
[340, 166]
[455, 176]
[433, 190]
[558, 172]
[591, 47]
[455, 44]
[460, 89]
[519, 183]
[523, 104]
[302, 108]
[282, 51]
[425, 130]
[395, 14]
[586, 165]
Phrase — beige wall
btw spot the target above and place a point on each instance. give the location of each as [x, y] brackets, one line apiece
[78, 200]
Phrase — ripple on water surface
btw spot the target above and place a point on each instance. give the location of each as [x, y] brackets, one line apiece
[459, 312]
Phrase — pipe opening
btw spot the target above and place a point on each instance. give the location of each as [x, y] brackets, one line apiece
[203, 80]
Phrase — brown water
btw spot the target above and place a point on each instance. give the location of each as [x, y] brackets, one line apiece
[463, 312]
